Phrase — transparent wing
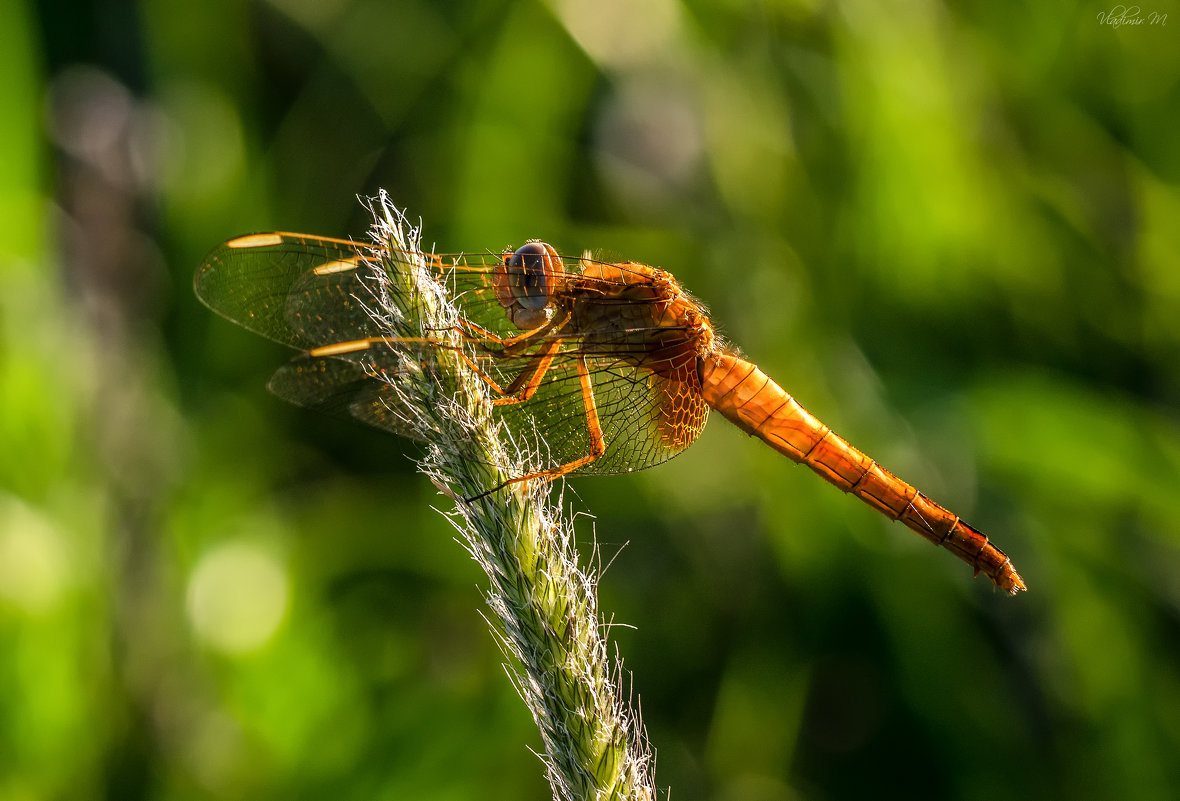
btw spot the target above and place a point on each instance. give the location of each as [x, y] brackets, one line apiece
[645, 418]
[309, 291]
[342, 387]
[299, 290]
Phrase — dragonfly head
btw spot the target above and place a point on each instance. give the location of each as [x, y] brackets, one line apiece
[525, 281]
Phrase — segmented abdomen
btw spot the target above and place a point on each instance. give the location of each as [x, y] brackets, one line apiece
[751, 400]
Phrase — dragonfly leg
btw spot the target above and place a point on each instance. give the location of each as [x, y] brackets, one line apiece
[525, 385]
[479, 335]
[594, 428]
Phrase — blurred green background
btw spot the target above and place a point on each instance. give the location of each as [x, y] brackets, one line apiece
[951, 232]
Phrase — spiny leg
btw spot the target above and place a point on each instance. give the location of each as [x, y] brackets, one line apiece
[525, 384]
[479, 335]
[527, 381]
[593, 426]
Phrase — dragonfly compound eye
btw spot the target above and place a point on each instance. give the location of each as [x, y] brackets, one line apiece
[532, 270]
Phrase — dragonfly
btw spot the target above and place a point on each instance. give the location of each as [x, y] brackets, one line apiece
[612, 363]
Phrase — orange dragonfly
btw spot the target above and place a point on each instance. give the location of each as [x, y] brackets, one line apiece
[613, 364]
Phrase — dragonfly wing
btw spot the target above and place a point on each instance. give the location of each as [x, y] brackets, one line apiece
[645, 418]
[310, 291]
[345, 387]
[303, 291]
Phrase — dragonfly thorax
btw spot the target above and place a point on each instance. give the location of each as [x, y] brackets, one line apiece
[641, 314]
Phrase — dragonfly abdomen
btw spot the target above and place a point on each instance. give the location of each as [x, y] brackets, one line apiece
[751, 400]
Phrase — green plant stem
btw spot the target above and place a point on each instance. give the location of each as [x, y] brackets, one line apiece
[544, 606]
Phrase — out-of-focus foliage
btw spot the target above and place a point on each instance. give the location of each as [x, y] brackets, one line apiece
[952, 232]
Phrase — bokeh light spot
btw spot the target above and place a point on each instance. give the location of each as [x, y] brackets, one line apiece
[237, 597]
[33, 567]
